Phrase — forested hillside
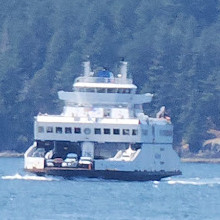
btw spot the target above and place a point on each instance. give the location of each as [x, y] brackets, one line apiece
[173, 50]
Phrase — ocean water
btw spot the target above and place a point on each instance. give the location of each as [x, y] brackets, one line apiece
[194, 195]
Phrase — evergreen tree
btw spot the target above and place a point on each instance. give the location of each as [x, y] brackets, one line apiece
[172, 48]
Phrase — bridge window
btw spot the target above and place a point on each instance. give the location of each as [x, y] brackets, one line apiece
[97, 130]
[126, 131]
[59, 130]
[90, 90]
[81, 89]
[120, 90]
[133, 91]
[68, 130]
[111, 90]
[77, 130]
[100, 90]
[116, 131]
[107, 131]
[49, 129]
[124, 91]
[41, 129]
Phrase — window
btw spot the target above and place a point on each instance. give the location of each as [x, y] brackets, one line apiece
[124, 91]
[116, 131]
[144, 132]
[100, 90]
[111, 90]
[133, 91]
[107, 131]
[41, 129]
[134, 132]
[90, 90]
[97, 130]
[77, 130]
[59, 130]
[81, 89]
[49, 129]
[126, 132]
[107, 112]
[166, 132]
[120, 90]
[127, 91]
[68, 130]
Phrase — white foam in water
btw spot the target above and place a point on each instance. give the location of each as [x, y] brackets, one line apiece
[17, 176]
[195, 181]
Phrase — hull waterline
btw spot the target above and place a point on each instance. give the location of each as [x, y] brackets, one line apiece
[106, 174]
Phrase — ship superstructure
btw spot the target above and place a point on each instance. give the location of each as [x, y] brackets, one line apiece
[103, 132]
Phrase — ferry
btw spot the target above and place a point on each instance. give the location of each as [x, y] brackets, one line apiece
[103, 132]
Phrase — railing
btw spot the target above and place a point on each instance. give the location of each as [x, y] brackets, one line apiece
[103, 80]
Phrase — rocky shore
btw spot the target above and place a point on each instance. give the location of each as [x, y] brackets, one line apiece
[209, 153]
[200, 160]
[11, 154]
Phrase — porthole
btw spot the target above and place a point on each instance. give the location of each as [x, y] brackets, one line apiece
[87, 131]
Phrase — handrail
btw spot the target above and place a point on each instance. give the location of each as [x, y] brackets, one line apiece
[103, 80]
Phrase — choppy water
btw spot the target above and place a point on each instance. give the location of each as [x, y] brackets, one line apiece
[194, 195]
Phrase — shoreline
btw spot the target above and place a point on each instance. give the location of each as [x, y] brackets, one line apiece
[11, 154]
[199, 160]
[5, 154]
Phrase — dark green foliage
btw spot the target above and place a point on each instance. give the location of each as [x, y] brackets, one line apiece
[172, 48]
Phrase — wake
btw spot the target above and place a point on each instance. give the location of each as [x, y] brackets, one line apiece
[17, 176]
[196, 181]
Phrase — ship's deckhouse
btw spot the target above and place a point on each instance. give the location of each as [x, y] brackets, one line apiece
[102, 130]
[88, 91]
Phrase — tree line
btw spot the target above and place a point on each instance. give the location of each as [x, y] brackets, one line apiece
[173, 50]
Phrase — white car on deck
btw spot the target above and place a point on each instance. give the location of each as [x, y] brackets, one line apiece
[86, 162]
[71, 160]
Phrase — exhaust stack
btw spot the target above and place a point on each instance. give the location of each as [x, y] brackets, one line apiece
[87, 69]
[123, 69]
